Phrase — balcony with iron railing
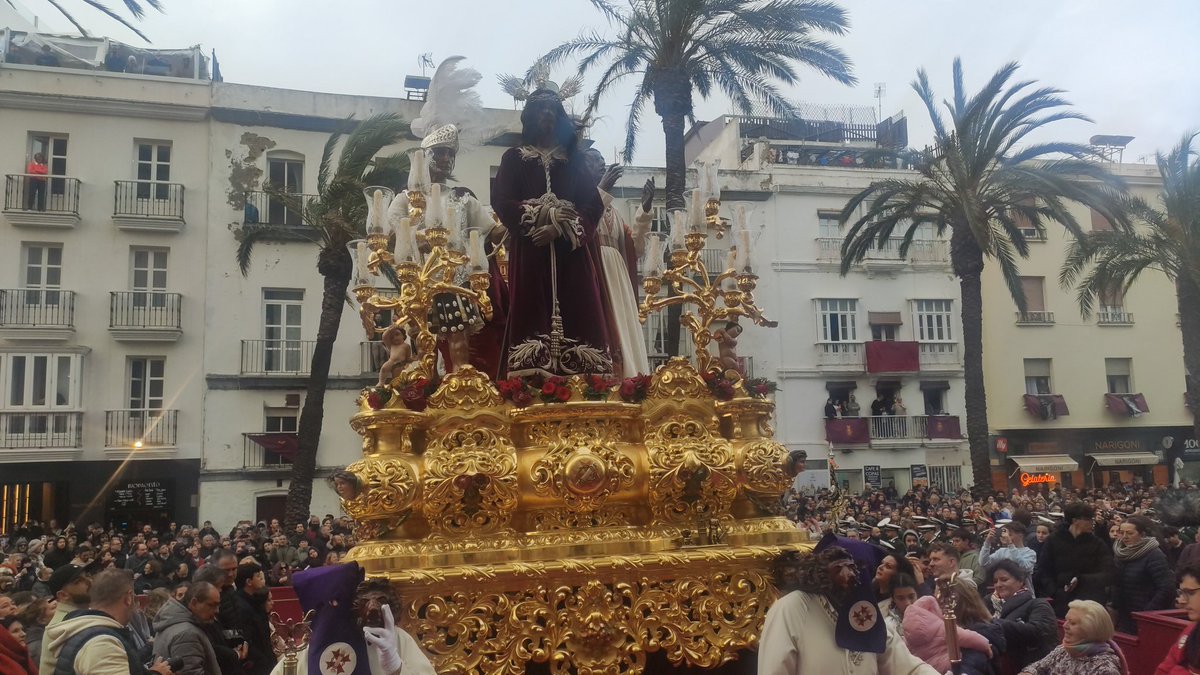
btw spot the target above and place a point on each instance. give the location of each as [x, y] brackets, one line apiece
[268, 450]
[276, 214]
[939, 356]
[1035, 318]
[145, 316]
[48, 201]
[1114, 317]
[888, 430]
[841, 356]
[148, 205]
[920, 252]
[28, 429]
[277, 357]
[37, 314]
[140, 428]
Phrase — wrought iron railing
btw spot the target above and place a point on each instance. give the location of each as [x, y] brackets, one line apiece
[148, 199]
[277, 357]
[37, 307]
[1114, 318]
[1035, 317]
[255, 456]
[140, 428]
[928, 251]
[145, 309]
[261, 208]
[41, 429]
[49, 194]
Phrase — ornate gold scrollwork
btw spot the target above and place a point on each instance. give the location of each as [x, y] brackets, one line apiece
[567, 519]
[465, 388]
[692, 471]
[387, 491]
[582, 466]
[677, 379]
[470, 481]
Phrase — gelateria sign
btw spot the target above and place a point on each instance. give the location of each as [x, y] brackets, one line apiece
[1028, 479]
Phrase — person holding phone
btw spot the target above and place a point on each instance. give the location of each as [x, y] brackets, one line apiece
[1074, 564]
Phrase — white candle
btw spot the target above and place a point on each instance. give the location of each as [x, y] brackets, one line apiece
[475, 250]
[712, 186]
[377, 207]
[397, 211]
[418, 171]
[362, 255]
[401, 250]
[679, 228]
[743, 250]
[435, 211]
[654, 254]
[452, 224]
[697, 208]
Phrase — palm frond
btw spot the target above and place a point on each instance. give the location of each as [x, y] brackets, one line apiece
[326, 168]
[102, 8]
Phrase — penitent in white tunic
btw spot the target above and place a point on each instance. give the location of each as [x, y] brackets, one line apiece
[621, 298]
[798, 639]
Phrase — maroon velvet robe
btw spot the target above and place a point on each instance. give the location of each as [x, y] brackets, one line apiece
[531, 303]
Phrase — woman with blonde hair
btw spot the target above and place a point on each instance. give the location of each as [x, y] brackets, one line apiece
[1087, 647]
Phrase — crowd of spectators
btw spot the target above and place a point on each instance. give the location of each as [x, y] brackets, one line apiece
[184, 599]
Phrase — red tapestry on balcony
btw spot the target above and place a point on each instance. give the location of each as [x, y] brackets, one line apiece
[942, 426]
[1046, 406]
[887, 356]
[283, 444]
[1132, 405]
[848, 431]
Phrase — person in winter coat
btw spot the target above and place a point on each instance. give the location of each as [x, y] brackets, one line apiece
[1028, 623]
[1184, 656]
[178, 632]
[251, 601]
[925, 634]
[1144, 581]
[1074, 564]
[95, 641]
[14, 656]
[1087, 647]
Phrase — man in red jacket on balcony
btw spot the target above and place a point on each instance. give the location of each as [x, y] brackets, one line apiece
[36, 172]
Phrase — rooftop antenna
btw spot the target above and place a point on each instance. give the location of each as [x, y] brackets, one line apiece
[880, 90]
[425, 61]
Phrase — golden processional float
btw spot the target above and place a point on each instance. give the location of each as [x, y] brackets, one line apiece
[583, 525]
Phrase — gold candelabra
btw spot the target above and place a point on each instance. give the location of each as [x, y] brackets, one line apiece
[712, 298]
[713, 219]
[947, 597]
[419, 281]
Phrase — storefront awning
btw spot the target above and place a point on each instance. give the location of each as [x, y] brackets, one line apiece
[1046, 463]
[1125, 459]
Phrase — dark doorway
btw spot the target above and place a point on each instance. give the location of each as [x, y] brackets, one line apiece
[268, 507]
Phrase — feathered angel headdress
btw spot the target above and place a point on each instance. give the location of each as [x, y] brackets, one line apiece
[452, 107]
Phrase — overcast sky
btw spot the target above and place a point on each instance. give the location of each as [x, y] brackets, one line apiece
[1130, 66]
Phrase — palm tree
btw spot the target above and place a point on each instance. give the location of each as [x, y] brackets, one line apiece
[332, 219]
[1169, 243]
[682, 48]
[135, 8]
[981, 188]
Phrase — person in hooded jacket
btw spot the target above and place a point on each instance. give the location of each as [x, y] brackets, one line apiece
[1028, 622]
[1074, 563]
[1144, 581]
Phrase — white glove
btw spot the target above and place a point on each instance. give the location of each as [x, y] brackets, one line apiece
[383, 640]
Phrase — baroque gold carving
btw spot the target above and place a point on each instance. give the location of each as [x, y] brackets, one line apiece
[567, 519]
[677, 379]
[762, 467]
[582, 466]
[465, 388]
[388, 489]
[470, 481]
[692, 472]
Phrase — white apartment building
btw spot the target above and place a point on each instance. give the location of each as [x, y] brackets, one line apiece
[890, 328]
[143, 377]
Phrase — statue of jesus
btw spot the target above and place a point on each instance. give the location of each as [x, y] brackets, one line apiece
[546, 198]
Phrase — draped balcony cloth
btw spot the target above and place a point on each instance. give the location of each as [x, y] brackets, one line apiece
[943, 426]
[1046, 406]
[887, 356]
[1130, 405]
[283, 444]
[848, 431]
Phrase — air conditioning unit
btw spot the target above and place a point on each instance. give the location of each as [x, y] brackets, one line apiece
[291, 400]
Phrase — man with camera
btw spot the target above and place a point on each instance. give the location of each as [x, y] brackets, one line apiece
[95, 641]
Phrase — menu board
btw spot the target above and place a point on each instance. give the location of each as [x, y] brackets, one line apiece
[871, 476]
[147, 494]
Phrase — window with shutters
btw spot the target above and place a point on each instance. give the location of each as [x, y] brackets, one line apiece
[1034, 289]
[1037, 377]
[933, 320]
[1118, 374]
[838, 320]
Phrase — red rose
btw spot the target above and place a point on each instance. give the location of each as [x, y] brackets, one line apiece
[557, 381]
[563, 394]
[414, 399]
[549, 388]
[374, 400]
[522, 398]
[628, 389]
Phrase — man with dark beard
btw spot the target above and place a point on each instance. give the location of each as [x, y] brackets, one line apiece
[824, 627]
[353, 626]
